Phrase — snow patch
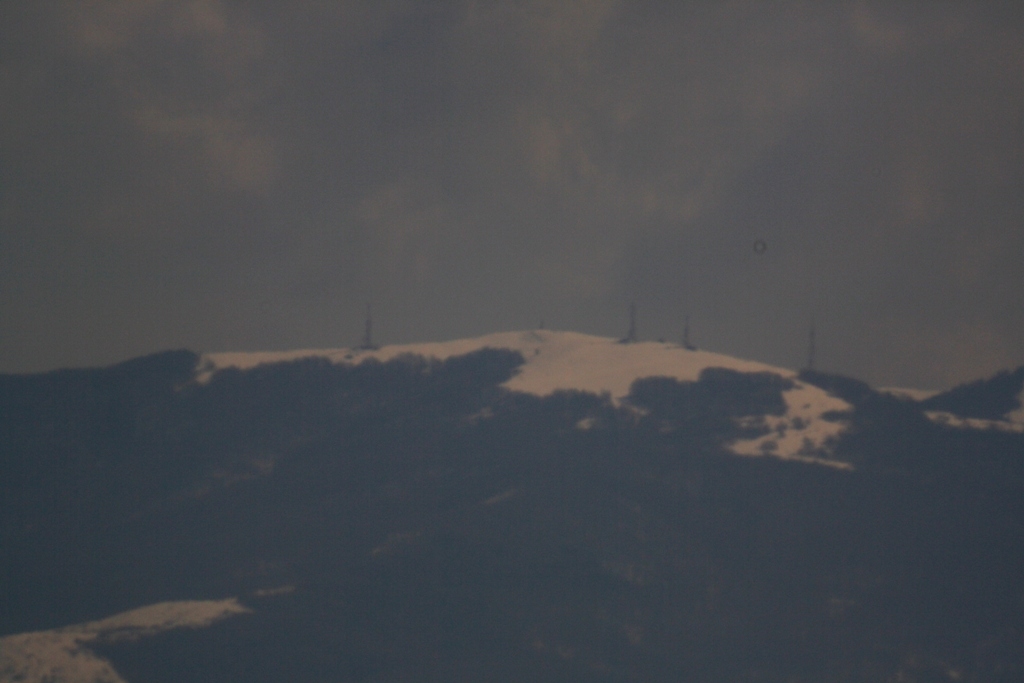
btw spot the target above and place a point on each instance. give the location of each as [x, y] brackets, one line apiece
[957, 422]
[803, 433]
[909, 394]
[1013, 421]
[1017, 416]
[63, 654]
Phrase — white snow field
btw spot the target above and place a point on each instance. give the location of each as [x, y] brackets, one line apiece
[571, 360]
[62, 655]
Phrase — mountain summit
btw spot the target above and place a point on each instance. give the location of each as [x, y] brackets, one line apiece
[570, 361]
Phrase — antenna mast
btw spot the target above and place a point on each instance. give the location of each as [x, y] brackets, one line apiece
[368, 333]
[686, 335]
[631, 335]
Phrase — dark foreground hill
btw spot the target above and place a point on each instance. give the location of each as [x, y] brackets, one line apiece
[413, 520]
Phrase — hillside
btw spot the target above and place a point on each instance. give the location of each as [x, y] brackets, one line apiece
[537, 505]
[569, 361]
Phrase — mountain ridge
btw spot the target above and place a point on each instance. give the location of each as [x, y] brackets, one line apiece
[571, 361]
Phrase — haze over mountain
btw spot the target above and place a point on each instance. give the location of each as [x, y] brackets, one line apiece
[525, 505]
[247, 174]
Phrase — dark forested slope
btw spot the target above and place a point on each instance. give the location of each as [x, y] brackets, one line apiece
[412, 520]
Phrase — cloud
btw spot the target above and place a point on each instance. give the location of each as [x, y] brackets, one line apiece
[232, 154]
[196, 91]
[106, 26]
[888, 28]
[406, 229]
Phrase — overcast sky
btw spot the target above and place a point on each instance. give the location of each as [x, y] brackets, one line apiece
[224, 175]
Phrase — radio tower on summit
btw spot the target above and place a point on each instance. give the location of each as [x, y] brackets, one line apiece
[687, 344]
[368, 344]
[630, 337]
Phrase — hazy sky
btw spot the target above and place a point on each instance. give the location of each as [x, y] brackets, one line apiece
[248, 175]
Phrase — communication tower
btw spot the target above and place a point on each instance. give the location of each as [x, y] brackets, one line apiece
[686, 335]
[630, 337]
[368, 344]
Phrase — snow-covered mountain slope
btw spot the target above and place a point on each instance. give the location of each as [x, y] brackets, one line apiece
[63, 654]
[573, 361]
